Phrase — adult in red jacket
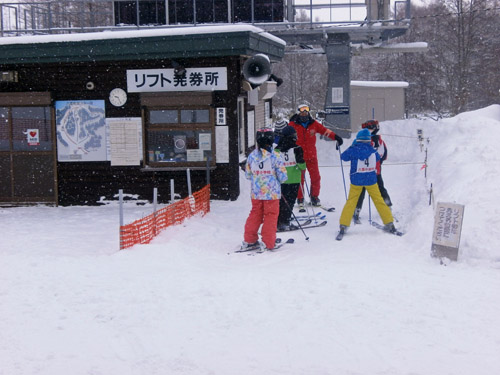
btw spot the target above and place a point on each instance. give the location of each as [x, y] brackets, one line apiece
[307, 128]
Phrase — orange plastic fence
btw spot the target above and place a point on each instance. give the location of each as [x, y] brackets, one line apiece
[145, 229]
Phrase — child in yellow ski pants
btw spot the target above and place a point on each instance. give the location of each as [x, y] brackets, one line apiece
[354, 193]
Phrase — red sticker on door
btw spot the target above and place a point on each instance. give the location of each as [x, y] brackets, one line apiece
[33, 137]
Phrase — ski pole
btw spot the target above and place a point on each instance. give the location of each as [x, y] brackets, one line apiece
[369, 209]
[305, 205]
[295, 217]
[308, 193]
[342, 169]
[311, 216]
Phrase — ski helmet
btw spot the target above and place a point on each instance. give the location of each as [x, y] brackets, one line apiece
[265, 137]
[371, 125]
[303, 108]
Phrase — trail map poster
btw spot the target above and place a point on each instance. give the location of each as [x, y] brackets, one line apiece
[81, 130]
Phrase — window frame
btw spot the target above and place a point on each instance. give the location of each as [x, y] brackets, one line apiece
[179, 126]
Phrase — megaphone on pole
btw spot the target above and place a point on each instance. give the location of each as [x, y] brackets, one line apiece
[257, 70]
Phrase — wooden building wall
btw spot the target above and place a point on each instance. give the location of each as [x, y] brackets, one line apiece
[87, 182]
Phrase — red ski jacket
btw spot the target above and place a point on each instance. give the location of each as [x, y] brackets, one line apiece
[379, 145]
[306, 136]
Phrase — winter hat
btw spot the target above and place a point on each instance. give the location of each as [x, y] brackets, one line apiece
[364, 135]
[287, 131]
[279, 126]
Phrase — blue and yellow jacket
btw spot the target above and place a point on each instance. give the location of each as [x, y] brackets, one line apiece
[364, 159]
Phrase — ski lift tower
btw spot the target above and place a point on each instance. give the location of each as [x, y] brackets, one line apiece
[340, 39]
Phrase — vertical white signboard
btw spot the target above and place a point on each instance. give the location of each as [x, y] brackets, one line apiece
[447, 230]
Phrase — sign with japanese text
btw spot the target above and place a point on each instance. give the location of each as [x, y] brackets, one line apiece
[447, 230]
[194, 79]
[337, 94]
[124, 138]
[220, 116]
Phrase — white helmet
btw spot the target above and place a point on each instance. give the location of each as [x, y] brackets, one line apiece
[303, 107]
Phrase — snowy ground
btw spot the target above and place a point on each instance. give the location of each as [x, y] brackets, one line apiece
[71, 303]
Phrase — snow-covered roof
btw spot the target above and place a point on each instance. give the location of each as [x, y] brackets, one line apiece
[140, 33]
[157, 43]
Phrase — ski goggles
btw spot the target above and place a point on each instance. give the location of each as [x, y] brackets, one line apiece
[304, 109]
[372, 124]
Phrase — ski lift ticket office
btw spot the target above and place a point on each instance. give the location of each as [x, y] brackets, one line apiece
[85, 115]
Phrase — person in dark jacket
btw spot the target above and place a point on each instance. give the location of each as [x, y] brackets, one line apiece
[279, 125]
[307, 128]
[363, 173]
[379, 145]
[293, 159]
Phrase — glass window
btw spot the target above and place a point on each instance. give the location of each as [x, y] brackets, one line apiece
[4, 129]
[163, 117]
[151, 12]
[31, 129]
[195, 116]
[173, 146]
[179, 136]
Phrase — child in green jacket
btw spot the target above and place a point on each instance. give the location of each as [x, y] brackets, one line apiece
[293, 158]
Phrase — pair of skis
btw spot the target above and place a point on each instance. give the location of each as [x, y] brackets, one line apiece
[306, 225]
[258, 248]
[317, 216]
[302, 208]
[306, 221]
[341, 233]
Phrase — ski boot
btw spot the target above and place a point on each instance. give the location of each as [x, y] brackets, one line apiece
[315, 202]
[341, 233]
[247, 246]
[389, 227]
[300, 202]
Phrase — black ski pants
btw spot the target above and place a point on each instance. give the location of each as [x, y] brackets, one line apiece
[288, 196]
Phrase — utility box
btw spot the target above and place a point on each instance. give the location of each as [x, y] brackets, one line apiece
[381, 100]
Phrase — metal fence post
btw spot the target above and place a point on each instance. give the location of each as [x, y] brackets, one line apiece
[172, 193]
[188, 171]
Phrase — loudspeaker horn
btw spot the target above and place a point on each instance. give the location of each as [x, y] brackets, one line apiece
[257, 69]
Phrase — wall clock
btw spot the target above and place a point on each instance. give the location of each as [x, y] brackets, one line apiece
[118, 97]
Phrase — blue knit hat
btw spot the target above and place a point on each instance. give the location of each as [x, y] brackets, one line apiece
[364, 135]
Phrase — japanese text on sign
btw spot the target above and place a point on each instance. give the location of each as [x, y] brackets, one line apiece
[220, 116]
[448, 224]
[193, 79]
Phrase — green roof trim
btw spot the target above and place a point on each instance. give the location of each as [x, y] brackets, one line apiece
[140, 46]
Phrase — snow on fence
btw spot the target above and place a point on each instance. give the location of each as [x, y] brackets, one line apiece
[144, 230]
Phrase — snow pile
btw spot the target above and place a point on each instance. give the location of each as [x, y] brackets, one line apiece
[371, 304]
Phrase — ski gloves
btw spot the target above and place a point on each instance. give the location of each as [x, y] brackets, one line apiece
[339, 141]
